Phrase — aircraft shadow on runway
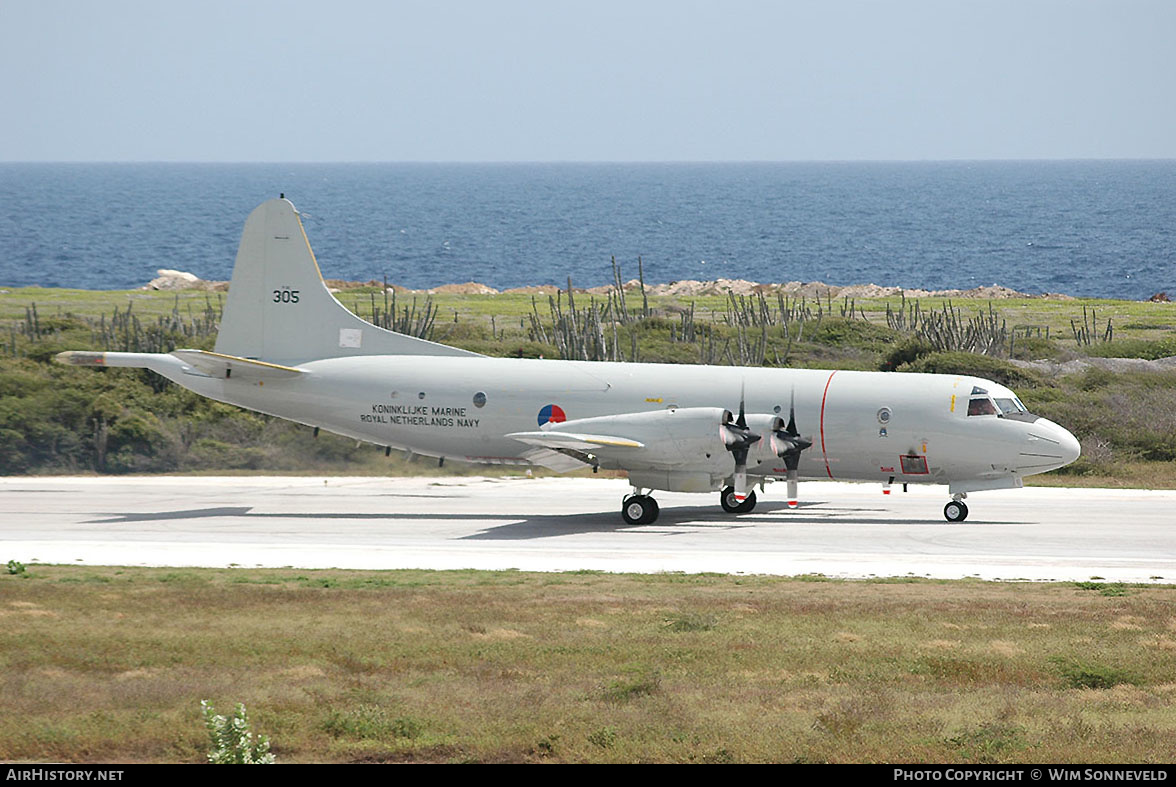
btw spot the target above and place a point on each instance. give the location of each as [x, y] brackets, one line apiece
[677, 520]
[693, 519]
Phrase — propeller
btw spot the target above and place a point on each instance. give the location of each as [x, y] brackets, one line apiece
[739, 439]
[788, 445]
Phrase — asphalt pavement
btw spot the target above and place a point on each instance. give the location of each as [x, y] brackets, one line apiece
[567, 524]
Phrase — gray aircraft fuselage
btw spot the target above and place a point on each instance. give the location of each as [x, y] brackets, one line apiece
[427, 405]
[288, 348]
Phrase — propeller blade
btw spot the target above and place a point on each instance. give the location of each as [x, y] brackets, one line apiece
[796, 444]
[791, 428]
[739, 439]
[742, 422]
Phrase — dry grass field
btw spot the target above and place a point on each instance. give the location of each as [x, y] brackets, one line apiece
[110, 664]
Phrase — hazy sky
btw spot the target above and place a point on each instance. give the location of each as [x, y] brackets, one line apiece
[515, 80]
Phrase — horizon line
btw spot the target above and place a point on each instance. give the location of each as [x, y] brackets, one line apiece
[600, 161]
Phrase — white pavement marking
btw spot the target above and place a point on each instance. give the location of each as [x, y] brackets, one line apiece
[559, 524]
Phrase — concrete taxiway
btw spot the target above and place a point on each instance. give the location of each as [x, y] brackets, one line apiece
[558, 524]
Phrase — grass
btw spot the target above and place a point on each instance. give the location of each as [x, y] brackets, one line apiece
[1138, 320]
[110, 664]
[1120, 474]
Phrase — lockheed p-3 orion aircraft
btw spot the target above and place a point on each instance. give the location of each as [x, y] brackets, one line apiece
[288, 348]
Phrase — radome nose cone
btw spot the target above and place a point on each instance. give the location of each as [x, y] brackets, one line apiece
[1066, 445]
[1049, 447]
[1071, 448]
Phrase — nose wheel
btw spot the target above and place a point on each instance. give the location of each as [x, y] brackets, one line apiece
[639, 510]
[955, 511]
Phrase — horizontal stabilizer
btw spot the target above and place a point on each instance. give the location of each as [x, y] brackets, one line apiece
[578, 442]
[158, 362]
[230, 366]
[81, 358]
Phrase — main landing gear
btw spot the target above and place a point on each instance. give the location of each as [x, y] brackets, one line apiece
[732, 505]
[956, 510]
[639, 509]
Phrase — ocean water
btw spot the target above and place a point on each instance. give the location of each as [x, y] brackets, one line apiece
[1089, 228]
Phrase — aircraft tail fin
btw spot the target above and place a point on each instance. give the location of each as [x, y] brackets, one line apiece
[279, 309]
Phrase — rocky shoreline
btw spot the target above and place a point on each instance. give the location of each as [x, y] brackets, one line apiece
[688, 288]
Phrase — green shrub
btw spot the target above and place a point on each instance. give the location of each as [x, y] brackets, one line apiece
[907, 351]
[974, 365]
[605, 737]
[691, 621]
[1080, 675]
[989, 743]
[641, 684]
[1134, 348]
[842, 332]
[1036, 348]
[370, 722]
[232, 741]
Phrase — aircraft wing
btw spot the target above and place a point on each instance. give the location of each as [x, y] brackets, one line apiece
[557, 461]
[221, 365]
[564, 451]
[574, 440]
[691, 439]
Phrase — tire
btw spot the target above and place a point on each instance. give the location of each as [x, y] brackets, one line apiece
[733, 506]
[639, 510]
[955, 511]
[653, 511]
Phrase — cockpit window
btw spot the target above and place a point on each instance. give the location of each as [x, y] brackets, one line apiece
[981, 406]
[977, 390]
[1010, 406]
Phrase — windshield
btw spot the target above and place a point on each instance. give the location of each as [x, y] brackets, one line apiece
[981, 406]
[1010, 406]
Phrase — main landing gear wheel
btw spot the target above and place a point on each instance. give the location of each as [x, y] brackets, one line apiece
[732, 506]
[955, 511]
[639, 510]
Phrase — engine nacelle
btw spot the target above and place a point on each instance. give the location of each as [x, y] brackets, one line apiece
[683, 435]
[766, 425]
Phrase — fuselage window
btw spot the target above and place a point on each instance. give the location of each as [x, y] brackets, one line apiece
[981, 407]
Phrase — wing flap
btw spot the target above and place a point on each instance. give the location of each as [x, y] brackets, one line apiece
[555, 460]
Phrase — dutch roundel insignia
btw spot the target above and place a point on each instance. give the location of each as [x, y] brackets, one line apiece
[552, 414]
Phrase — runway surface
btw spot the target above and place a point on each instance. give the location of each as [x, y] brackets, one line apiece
[554, 524]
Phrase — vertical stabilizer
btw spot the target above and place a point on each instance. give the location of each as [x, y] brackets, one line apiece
[280, 310]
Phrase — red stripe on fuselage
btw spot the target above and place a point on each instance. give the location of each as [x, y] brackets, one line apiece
[825, 396]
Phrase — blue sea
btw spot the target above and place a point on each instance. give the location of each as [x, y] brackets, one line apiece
[1088, 228]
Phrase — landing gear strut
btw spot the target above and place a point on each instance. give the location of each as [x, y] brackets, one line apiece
[732, 505]
[639, 510]
[956, 510]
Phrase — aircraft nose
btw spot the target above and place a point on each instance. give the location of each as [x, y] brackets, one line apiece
[1071, 448]
[1049, 447]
